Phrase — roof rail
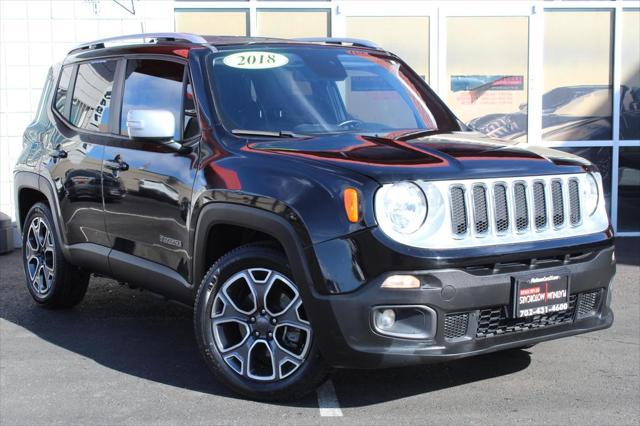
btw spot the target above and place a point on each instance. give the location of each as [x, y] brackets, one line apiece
[341, 41]
[144, 38]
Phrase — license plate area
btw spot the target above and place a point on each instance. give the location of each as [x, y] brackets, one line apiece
[540, 295]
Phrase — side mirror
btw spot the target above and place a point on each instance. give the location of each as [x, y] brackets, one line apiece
[151, 124]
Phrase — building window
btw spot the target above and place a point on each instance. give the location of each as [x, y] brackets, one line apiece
[223, 21]
[406, 36]
[292, 23]
[630, 78]
[487, 73]
[629, 189]
[577, 99]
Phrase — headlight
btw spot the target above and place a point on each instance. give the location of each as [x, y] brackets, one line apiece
[591, 194]
[405, 207]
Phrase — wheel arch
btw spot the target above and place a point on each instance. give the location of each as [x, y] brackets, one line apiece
[274, 227]
[30, 189]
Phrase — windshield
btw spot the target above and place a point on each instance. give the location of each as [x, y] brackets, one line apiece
[314, 90]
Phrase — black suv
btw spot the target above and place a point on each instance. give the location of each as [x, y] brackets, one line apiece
[313, 199]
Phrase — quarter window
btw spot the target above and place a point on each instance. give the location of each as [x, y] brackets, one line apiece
[63, 88]
[153, 84]
[92, 96]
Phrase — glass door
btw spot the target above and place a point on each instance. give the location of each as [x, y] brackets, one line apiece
[404, 28]
[484, 59]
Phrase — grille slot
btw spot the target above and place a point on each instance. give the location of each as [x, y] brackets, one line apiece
[574, 202]
[539, 205]
[502, 211]
[481, 217]
[521, 206]
[588, 303]
[458, 211]
[557, 203]
[455, 325]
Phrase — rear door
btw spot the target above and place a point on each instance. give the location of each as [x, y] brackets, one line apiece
[147, 214]
[75, 147]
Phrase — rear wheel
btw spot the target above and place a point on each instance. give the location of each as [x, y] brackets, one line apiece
[252, 328]
[51, 280]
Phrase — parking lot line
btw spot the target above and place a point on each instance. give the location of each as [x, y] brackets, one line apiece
[328, 401]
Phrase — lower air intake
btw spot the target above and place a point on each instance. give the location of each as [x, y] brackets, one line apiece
[455, 325]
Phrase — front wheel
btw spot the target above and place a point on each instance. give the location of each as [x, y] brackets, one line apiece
[252, 328]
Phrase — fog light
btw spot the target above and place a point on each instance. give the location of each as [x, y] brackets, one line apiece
[401, 281]
[385, 319]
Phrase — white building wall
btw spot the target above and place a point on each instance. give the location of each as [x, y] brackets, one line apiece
[34, 34]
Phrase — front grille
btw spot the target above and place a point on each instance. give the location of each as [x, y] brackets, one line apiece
[480, 213]
[455, 325]
[522, 213]
[588, 303]
[574, 202]
[523, 205]
[495, 322]
[458, 211]
[539, 205]
[557, 203]
[502, 212]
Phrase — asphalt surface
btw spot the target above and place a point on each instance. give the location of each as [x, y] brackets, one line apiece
[126, 357]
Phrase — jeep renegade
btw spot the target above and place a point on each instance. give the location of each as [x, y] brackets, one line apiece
[314, 200]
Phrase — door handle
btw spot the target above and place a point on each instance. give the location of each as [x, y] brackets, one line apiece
[117, 164]
[57, 152]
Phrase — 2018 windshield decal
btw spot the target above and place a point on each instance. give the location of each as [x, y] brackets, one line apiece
[255, 60]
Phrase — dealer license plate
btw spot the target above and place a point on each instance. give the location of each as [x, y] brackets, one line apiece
[541, 295]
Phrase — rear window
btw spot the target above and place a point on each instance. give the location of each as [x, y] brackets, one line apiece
[92, 96]
[63, 88]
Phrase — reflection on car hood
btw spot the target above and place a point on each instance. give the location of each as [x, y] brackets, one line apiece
[443, 156]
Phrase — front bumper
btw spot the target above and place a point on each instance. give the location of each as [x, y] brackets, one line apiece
[472, 314]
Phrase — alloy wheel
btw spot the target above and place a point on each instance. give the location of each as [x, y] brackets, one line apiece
[40, 256]
[259, 325]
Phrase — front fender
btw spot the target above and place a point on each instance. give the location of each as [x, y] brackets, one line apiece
[284, 226]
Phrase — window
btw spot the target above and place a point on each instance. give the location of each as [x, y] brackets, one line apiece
[487, 72]
[92, 96]
[63, 87]
[577, 100]
[630, 90]
[291, 23]
[629, 189]
[153, 84]
[406, 36]
[313, 90]
[229, 21]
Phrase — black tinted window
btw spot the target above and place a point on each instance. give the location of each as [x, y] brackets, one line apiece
[63, 87]
[153, 84]
[92, 96]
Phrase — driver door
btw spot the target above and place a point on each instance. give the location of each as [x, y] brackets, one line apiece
[147, 188]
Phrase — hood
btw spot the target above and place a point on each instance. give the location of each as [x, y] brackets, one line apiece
[458, 155]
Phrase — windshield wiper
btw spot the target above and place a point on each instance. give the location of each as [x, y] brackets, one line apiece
[418, 134]
[267, 133]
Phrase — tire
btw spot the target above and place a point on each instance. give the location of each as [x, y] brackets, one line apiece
[50, 279]
[244, 296]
